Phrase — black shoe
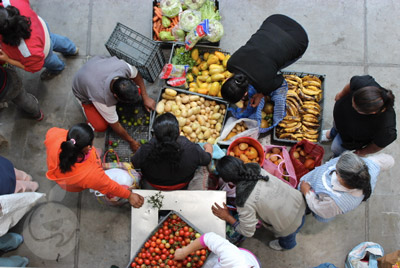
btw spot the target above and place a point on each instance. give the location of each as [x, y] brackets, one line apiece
[46, 75]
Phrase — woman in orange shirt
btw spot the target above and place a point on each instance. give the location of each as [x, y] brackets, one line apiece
[73, 163]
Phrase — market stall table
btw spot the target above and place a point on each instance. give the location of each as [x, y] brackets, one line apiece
[195, 206]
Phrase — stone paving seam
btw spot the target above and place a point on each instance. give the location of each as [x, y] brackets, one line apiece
[78, 230]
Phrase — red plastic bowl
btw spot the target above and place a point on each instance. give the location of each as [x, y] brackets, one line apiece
[251, 142]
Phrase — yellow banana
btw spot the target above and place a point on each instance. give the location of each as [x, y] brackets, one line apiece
[294, 77]
[287, 124]
[312, 140]
[293, 129]
[293, 108]
[292, 82]
[312, 83]
[311, 136]
[310, 118]
[312, 103]
[294, 102]
[309, 130]
[292, 118]
[311, 77]
[310, 106]
[305, 96]
[318, 97]
[287, 136]
[311, 92]
[310, 124]
[311, 111]
[314, 88]
[290, 111]
[292, 93]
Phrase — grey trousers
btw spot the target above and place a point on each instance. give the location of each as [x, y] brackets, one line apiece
[17, 94]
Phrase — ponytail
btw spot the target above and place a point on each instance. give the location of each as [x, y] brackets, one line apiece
[387, 97]
[79, 136]
[13, 26]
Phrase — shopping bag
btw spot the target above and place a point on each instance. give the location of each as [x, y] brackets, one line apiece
[251, 131]
[315, 151]
[283, 170]
[364, 255]
[390, 260]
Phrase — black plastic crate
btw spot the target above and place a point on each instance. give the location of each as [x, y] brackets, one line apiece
[160, 225]
[211, 98]
[321, 103]
[137, 50]
[170, 43]
[136, 120]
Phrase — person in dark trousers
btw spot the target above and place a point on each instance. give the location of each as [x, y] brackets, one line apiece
[279, 42]
[364, 118]
[169, 161]
[11, 89]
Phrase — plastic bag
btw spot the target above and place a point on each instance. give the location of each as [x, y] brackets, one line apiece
[14, 206]
[172, 70]
[278, 170]
[196, 34]
[252, 130]
[178, 33]
[355, 258]
[314, 150]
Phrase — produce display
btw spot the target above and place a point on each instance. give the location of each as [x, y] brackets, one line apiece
[268, 113]
[303, 157]
[275, 156]
[245, 152]
[303, 111]
[159, 249]
[173, 20]
[238, 128]
[200, 119]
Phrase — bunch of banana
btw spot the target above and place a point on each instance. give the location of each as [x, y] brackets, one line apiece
[302, 109]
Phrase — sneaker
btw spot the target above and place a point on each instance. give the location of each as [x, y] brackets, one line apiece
[274, 244]
[324, 137]
[40, 117]
[74, 54]
[46, 75]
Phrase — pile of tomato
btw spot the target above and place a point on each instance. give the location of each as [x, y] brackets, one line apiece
[159, 250]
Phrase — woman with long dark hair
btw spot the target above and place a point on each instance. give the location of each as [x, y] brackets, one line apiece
[364, 118]
[341, 184]
[26, 40]
[169, 161]
[73, 163]
[279, 42]
[261, 196]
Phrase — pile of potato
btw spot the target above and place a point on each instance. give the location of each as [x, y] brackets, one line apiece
[200, 120]
[238, 128]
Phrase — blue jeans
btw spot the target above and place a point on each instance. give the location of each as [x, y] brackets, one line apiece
[289, 242]
[60, 44]
[11, 241]
[336, 146]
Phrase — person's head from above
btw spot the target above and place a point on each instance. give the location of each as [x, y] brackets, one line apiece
[235, 88]
[372, 100]
[125, 90]
[13, 26]
[79, 142]
[166, 131]
[352, 173]
[234, 170]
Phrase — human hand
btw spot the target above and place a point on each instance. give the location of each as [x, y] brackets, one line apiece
[221, 212]
[338, 96]
[208, 148]
[134, 145]
[360, 153]
[255, 100]
[149, 103]
[136, 200]
[180, 254]
[3, 56]
[305, 187]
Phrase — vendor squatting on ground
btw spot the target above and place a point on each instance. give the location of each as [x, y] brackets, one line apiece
[364, 122]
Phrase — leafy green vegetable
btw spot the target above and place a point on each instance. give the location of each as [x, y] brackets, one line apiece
[182, 57]
[194, 4]
[166, 36]
[208, 11]
[189, 19]
[216, 31]
[165, 22]
[170, 8]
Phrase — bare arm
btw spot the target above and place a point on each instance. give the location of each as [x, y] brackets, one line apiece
[369, 149]
[344, 92]
[118, 128]
[4, 57]
[181, 253]
[148, 102]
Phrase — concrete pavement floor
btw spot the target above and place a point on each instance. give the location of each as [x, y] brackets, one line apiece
[73, 230]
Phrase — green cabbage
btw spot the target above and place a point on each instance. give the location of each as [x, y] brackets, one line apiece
[216, 31]
[189, 19]
[208, 11]
[194, 4]
[170, 8]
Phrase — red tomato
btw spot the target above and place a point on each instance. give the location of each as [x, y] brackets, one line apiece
[170, 262]
[151, 249]
[180, 239]
[187, 234]
[187, 240]
[176, 233]
[153, 238]
[195, 258]
[203, 258]
[153, 263]
[162, 264]
[161, 236]
[165, 223]
[203, 252]
[163, 257]
[153, 244]
[158, 241]
[171, 241]
[147, 262]
[161, 246]
[181, 232]
[133, 264]
[157, 257]
[165, 227]
[200, 263]
[186, 228]
[140, 261]
[147, 244]
[157, 250]
[189, 258]
[183, 243]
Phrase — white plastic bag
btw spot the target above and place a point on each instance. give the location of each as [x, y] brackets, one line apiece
[358, 253]
[252, 130]
[14, 206]
[118, 175]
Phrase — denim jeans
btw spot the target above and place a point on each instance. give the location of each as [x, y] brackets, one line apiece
[289, 242]
[60, 44]
[336, 146]
[11, 241]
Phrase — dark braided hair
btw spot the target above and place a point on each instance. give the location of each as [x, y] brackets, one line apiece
[79, 136]
[371, 99]
[232, 169]
[166, 149]
[354, 172]
[235, 87]
[13, 26]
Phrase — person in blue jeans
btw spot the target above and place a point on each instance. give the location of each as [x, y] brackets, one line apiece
[8, 242]
[261, 196]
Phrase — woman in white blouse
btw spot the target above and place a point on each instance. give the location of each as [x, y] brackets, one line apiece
[341, 184]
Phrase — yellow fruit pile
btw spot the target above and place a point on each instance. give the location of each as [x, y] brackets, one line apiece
[209, 73]
[238, 128]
